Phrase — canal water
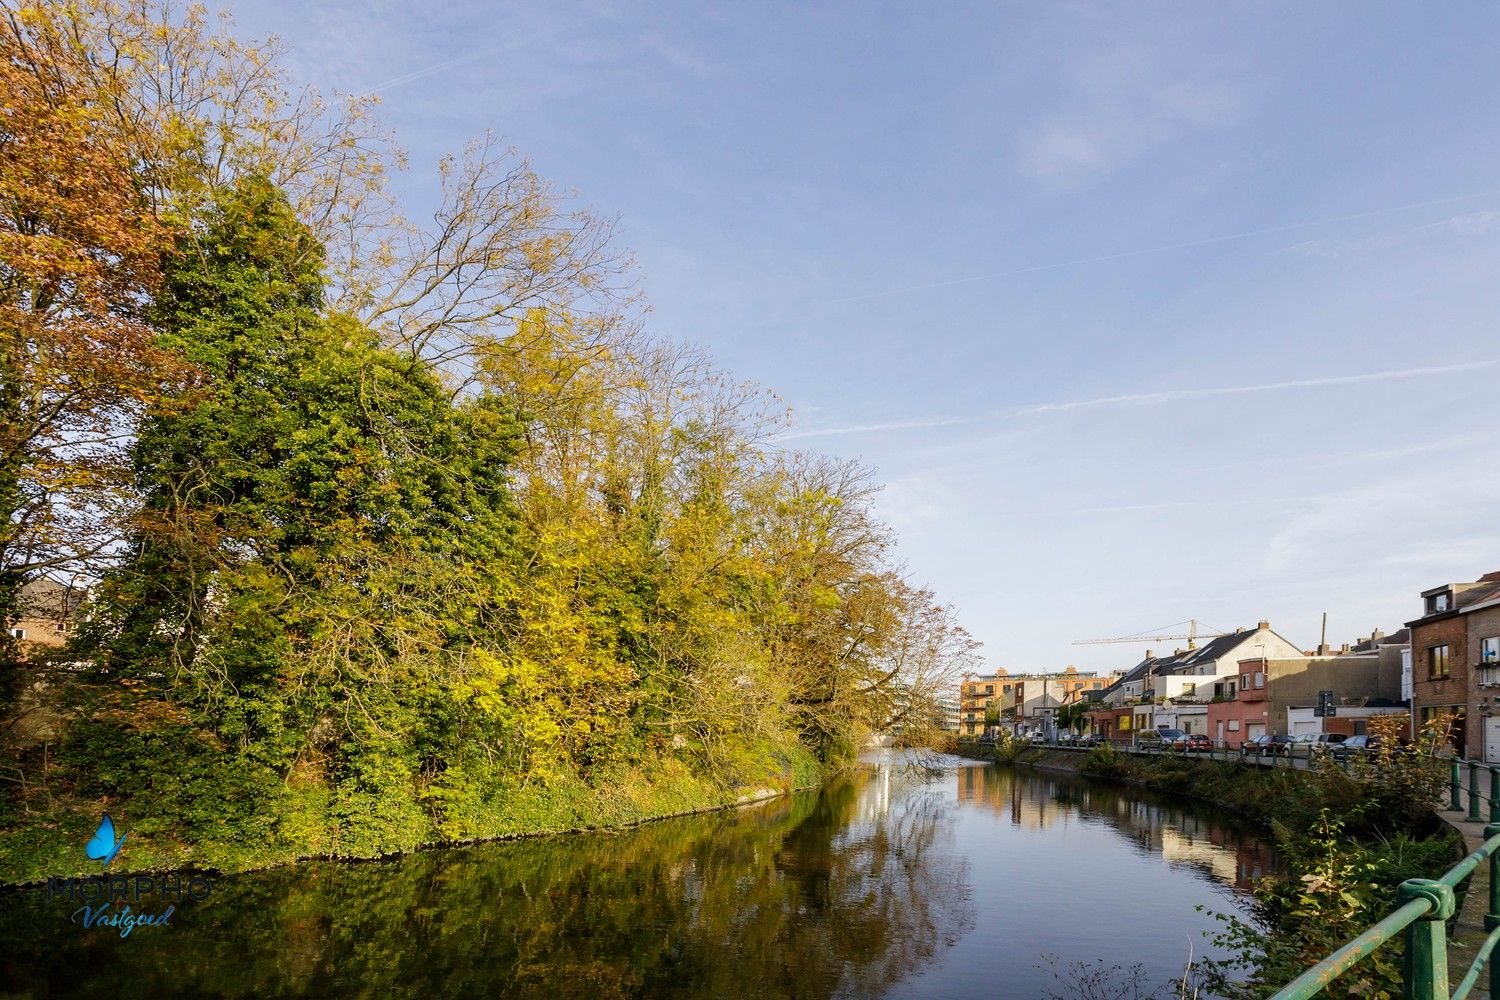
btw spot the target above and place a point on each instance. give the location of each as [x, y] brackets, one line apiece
[932, 878]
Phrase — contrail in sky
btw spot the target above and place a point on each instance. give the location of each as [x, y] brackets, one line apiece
[435, 68]
[1147, 398]
[1171, 395]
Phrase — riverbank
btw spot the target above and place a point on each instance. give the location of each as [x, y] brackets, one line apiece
[309, 826]
[1290, 796]
[1348, 839]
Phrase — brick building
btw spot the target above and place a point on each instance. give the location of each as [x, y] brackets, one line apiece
[1450, 684]
[1023, 702]
[47, 610]
[1269, 691]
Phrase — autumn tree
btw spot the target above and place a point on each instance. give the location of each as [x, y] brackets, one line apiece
[79, 255]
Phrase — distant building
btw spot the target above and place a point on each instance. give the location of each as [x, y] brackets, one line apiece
[47, 612]
[1025, 701]
[946, 714]
[1174, 692]
[1455, 664]
[1281, 694]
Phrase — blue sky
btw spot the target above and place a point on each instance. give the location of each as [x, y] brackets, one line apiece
[1142, 311]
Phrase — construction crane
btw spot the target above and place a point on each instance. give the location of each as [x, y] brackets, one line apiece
[1192, 635]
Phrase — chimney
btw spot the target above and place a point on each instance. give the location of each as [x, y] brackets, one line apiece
[1264, 625]
[1377, 635]
[1345, 649]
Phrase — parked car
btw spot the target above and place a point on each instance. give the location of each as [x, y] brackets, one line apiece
[1196, 742]
[1355, 745]
[1367, 744]
[1088, 740]
[1316, 744]
[1267, 745]
[1038, 738]
[1158, 739]
[1173, 739]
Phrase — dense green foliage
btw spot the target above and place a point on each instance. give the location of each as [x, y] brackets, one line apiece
[407, 537]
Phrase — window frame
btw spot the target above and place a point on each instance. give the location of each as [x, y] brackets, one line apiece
[1434, 673]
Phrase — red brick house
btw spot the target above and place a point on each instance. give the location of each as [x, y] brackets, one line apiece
[1458, 633]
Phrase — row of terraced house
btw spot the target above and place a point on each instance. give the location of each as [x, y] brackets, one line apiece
[1441, 669]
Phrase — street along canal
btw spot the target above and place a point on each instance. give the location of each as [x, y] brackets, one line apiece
[955, 881]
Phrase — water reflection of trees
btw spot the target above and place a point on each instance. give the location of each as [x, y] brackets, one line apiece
[1182, 832]
[839, 893]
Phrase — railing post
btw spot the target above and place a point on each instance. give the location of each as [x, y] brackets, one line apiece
[1425, 967]
[1453, 786]
[1492, 918]
[1473, 792]
[1494, 794]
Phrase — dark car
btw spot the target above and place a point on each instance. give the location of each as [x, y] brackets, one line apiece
[1367, 744]
[1197, 742]
[1355, 745]
[1267, 745]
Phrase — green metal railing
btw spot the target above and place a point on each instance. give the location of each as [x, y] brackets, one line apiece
[1423, 907]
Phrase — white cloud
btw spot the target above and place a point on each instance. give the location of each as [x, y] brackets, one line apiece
[1121, 100]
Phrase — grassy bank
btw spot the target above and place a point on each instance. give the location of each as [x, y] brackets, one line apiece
[186, 800]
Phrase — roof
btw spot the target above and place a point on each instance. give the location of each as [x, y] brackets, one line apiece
[44, 598]
[1373, 642]
[1466, 597]
[1215, 649]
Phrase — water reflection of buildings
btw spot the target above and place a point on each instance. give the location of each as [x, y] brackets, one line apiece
[875, 794]
[1182, 835]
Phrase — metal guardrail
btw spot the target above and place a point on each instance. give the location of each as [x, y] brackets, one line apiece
[1422, 911]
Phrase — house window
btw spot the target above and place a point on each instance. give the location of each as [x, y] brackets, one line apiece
[1234, 725]
[1100, 684]
[18, 633]
[1437, 662]
[1187, 691]
[1489, 650]
[1005, 688]
[1439, 602]
[989, 689]
[1361, 727]
[1260, 679]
